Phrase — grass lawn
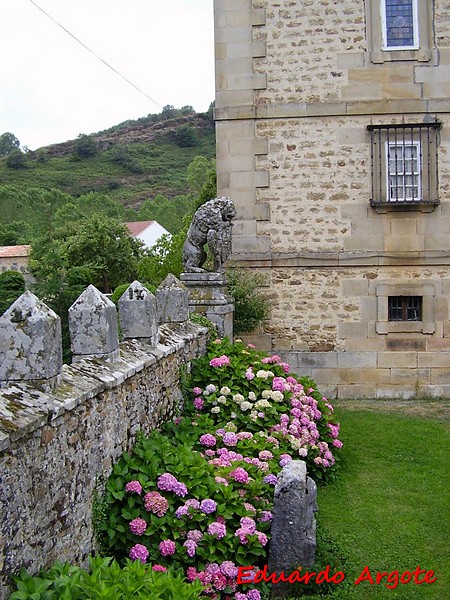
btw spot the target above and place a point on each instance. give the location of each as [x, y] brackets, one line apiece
[390, 508]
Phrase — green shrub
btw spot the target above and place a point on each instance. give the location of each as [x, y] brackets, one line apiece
[120, 289]
[186, 136]
[250, 306]
[104, 579]
[12, 285]
[198, 495]
[16, 159]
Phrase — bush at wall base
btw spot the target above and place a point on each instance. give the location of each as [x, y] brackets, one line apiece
[105, 578]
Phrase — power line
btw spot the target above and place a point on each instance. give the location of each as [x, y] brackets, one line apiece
[96, 55]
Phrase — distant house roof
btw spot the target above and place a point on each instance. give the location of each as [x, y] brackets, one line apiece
[137, 227]
[14, 251]
[148, 232]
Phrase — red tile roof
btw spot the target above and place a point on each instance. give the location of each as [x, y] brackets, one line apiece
[14, 251]
[136, 227]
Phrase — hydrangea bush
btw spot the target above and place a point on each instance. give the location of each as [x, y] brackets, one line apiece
[198, 496]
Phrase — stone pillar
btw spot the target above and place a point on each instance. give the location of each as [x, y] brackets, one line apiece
[293, 533]
[93, 327]
[172, 301]
[138, 314]
[30, 343]
[208, 296]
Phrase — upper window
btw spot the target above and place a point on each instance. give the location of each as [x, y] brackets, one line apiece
[400, 30]
[399, 22]
[404, 165]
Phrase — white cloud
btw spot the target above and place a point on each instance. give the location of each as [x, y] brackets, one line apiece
[54, 89]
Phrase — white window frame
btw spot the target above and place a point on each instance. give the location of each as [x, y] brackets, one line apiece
[415, 24]
[416, 172]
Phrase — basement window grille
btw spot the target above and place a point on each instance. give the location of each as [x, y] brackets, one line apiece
[404, 165]
[405, 308]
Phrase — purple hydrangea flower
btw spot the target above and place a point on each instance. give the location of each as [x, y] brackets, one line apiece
[271, 479]
[139, 552]
[217, 529]
[191, 547]
[208, 506]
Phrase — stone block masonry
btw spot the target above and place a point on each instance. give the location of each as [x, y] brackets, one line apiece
[57, 447]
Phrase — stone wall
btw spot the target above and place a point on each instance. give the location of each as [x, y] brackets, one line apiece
[297, 85]
[58, 446]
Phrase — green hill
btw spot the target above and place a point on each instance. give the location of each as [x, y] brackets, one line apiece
[131, 162]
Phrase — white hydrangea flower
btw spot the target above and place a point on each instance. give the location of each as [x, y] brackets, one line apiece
[238, 398]
[252, 396]
[215, 409]
[210, 389]
[263, 404]
[262, 374]
[225, 391]
[277, 396]
[230, 426]
[221, 400]
[267, 394]
[246, 406]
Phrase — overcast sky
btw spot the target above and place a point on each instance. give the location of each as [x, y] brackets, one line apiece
[52, 88]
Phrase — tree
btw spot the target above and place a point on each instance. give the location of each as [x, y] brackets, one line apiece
[85, 147]
[8, 143]
[12, 285]
[16, 159]
[186, 136]
[201, 178]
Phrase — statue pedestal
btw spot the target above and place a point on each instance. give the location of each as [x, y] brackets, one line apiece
[208, 296]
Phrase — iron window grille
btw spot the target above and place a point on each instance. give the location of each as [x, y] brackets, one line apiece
[404, 165]
[405, 308]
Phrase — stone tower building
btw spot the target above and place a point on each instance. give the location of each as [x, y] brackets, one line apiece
[333, 139]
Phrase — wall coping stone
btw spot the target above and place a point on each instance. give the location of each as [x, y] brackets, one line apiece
[24, 408]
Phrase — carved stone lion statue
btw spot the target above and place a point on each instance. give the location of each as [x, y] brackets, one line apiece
[211, 225]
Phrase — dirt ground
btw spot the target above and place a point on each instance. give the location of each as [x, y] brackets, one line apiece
[430, 408]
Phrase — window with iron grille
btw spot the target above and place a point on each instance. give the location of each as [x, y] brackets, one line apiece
[399, 19]
[405, 308]
[404, 165]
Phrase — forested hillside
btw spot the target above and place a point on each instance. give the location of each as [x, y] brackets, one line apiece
[132, 162]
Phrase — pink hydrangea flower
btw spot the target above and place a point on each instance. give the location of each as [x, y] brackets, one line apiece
[167, 547]
[139, 552]
[196, 391]
[156, 503]
[337, 443]
[159, 568]
[253, 595]
[138, 526]
[207, 439]
[240, 475]
[134, 486]
[220, 361]
[198, 403]
[265, 455]
[249, 374]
